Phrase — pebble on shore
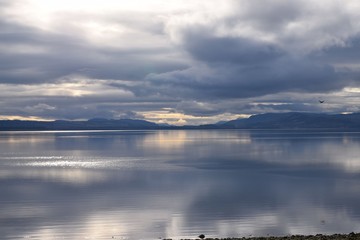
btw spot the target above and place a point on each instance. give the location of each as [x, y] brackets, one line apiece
[350, 236]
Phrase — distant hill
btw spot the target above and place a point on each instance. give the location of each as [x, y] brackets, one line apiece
[92, 124]
[296, 120]
[290, 120]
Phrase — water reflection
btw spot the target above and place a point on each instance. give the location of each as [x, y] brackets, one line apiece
[151, 184]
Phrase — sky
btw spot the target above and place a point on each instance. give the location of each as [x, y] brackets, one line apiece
[177, 61]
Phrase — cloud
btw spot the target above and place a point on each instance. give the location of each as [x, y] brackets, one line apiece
[254, 52]
[237, 81]
[31, 54]
[213, 58]
[205, 47]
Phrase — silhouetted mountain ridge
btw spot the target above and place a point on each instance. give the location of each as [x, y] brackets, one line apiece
[296, 120]
[289, 120]
[91, 124]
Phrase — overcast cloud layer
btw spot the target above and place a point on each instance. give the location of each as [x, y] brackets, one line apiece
[180, 62]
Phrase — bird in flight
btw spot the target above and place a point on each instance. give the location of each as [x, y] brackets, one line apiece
[321, 101]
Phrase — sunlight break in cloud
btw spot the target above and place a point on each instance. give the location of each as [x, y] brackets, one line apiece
[169, 116]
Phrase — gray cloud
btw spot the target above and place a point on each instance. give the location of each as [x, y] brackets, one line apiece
[31, 55]
[202, 61]
[343, 57]
[236, 81]
[203, 46]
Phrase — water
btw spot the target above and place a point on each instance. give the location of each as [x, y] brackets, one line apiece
[178, 184]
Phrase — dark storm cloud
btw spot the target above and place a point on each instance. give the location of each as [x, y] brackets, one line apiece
[204, 47]
[344, 54]
[239, 67]
[32, 55]
[220, 80]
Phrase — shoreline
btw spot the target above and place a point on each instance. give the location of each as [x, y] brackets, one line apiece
[350, 236]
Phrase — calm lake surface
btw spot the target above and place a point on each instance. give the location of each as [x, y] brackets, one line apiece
[177, 184]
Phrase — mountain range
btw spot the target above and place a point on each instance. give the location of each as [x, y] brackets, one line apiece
[290, 120]
[92, 124]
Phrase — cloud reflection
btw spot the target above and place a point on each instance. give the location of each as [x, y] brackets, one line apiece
[152, 184]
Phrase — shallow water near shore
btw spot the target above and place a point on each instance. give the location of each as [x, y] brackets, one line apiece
[178, 184]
